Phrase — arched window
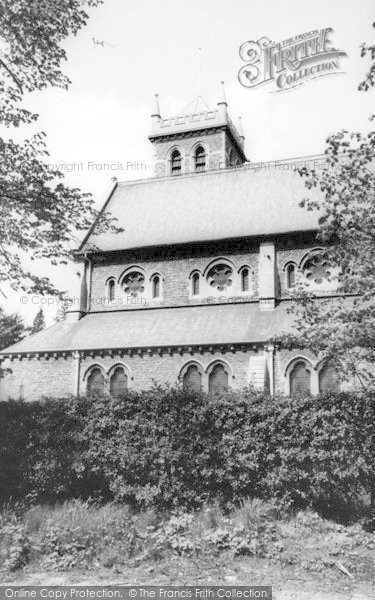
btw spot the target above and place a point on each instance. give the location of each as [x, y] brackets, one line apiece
[200, 159]
[218, 379]
[119, 382]
[95, 382]
[317, 269]
[111, 290]
[328, 379]
[220, 277]
[134, 283]
[195, 284]
[156, 286]
[175, 163]
[192, 380]
[290, 275]
[245, 280]
[300, 379]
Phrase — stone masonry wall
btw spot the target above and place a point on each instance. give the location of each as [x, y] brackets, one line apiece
[148, 368]
[213, 143]
[174, 265]
[33, 378]
[36, 377]
[291, 249]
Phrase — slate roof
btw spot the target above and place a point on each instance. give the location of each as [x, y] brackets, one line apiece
[252, 200]
[159, 327]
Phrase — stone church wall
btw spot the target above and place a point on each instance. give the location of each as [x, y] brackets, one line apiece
[148, 368]
[33, 378]
[175, 267]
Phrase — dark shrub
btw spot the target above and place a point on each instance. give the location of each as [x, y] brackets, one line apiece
[168, 448]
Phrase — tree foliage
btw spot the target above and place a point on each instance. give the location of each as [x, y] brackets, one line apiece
[39, 322]
[369, 80]
[12, 329]
[39, 214]
[63, 307]
[342, 330]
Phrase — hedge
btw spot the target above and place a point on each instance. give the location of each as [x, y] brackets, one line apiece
[168, 448]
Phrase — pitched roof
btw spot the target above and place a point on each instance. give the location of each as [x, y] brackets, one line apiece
[159, 327]
[253, 200]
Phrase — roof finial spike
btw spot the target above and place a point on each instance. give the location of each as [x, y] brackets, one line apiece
[156, 112]
[222, 99]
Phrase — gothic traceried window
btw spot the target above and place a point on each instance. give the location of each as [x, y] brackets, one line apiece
[200, 159]
[192, 380]
[195, 284]
[118, 382]
[134, 283]
[220, 277]
[290, 275]
[218, 380]
[317, 269]
[300, 379]
[175, 163]
[95, 382]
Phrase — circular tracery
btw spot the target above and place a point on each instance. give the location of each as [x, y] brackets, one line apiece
[220, 277]
[134, 283]
[317, 269]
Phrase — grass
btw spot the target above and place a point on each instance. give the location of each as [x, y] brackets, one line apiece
[85, 516]
[110, 539]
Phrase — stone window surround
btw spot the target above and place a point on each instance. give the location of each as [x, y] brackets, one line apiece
[206, 290]
[313, 367]
[192, 156]
[107, 374]
[147, 294]
[290, 263]
[111, 281]
[187, 157]
[325, 286]
[206, 371]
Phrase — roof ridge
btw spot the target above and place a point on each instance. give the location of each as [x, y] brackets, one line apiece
[248, 166]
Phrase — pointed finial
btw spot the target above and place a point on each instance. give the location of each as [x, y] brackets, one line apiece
[240, 128]
[156, 112]
[222, 99]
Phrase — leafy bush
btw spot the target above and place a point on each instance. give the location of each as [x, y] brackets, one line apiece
[169, 449]
[84, 535]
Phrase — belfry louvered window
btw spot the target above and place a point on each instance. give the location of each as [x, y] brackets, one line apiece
[200, 159]
[175, 163]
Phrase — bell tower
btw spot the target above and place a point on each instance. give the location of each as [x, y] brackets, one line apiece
[198, 140]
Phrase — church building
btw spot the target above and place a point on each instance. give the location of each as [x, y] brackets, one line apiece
[198, 282]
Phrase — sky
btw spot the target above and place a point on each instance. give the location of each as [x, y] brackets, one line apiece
[153, 47]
